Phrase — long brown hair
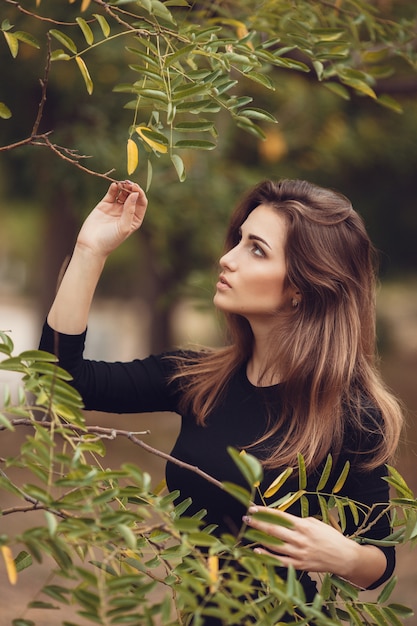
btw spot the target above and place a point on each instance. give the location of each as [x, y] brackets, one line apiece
[327, 343]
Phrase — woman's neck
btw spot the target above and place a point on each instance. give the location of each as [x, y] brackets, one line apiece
[258, 371]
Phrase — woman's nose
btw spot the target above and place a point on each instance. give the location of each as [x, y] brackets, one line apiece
[228, 260]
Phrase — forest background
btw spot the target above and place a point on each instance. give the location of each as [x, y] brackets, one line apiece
[355, 132]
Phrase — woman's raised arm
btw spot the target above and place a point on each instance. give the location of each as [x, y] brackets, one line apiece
[115, 217]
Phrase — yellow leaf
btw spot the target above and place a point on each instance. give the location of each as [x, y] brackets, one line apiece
[10, 564]
[213, 567]
[290, 500]
[84, 5]
[278, 482]
[158, 146]
[85, 74]
[342, 478]
[132, 156]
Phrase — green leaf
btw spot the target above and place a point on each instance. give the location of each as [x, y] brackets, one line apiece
[38, 355]
[305, 507]
[258, 536]
[194, 127]
[390, 103]
[186, 91]
[350, 590]
[238, 492]
[258, 114]
[325, 473]
[341, 512]
[338, 89]
[86, 30]
[28, 39]
[359, 85]
[354, 510]
[195, 144]
[23, 561]
[397, 481]
[60, 55]
[387, 590]
[104, 25]
[52, 523]
[179, 167]
[128, 535]
[198, 106]
[324, 509]
[64, 39]
[38, 604]
[160, 10]
[302, 474]
[170, 59]
[248, 465]
[5, 422]
[8, 345]
[401, 610]
[354, 614]
[247, 124]
[328, 34]
[392, 618]
[187, 524]
[5, 112]
[376, 613]
[270, 517]
[57, 593]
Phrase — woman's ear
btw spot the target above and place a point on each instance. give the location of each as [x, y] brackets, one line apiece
[295, 298]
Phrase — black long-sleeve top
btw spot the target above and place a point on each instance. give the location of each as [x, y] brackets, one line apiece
[238, 421]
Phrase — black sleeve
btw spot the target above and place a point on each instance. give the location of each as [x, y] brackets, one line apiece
[132, 387]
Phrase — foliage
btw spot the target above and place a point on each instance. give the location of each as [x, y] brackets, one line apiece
[187, 63]
[127, 553]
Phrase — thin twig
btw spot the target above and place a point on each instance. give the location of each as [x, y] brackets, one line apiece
[112, 433]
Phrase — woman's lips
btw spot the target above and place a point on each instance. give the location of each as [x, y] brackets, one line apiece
[222, 283]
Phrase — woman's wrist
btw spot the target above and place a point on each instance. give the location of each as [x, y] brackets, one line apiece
[363, 566]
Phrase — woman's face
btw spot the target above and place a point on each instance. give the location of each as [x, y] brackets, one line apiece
[253, 273]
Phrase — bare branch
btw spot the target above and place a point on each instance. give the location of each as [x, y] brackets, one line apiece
[112, 433]
[44, 85]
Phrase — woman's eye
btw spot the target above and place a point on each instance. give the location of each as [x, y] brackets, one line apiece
[257, 250]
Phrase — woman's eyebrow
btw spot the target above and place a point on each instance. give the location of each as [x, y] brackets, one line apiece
[257, 238]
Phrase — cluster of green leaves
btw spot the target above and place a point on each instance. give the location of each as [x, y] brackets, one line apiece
[191, 62]
[127, 553]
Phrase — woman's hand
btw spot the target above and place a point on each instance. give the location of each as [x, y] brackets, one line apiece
[313, 546]
[115, 217]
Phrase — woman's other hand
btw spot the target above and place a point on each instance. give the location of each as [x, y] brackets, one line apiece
[310, 545]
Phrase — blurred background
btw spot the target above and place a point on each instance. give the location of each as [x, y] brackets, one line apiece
[156, 290]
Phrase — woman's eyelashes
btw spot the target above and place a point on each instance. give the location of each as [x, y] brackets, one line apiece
[255, 248]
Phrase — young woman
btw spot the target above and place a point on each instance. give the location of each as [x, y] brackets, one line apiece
[297, 287]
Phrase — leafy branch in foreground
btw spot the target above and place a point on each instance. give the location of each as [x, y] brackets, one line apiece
[126, 552]
[187, 64]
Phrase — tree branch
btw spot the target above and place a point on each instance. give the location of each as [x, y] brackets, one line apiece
[112, 433]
